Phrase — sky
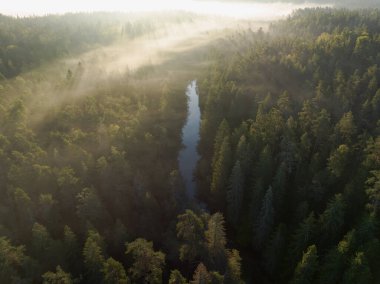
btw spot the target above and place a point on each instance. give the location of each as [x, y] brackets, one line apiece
[238, 10]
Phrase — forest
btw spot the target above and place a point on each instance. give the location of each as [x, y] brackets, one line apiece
[352, 4]
[288, 180]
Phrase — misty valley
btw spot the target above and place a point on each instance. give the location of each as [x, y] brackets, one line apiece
[217, 143]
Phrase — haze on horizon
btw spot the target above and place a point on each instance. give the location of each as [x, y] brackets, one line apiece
[259, 11]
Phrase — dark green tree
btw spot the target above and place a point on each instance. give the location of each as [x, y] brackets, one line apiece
[307, 267]
[177, 278]
[58, 277]
[235, 195]
[264, 225]
[114, 272]
[190, 229]
[147, 264]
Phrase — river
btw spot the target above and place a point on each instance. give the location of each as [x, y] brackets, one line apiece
[188, 156]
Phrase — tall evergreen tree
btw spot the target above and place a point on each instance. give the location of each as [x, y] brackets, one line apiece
[93, 257]
[275, 251]
[177, 278]
[358, 271]
[220, 173]
[114, 272]
[235, 195]
[265, 223]
[201, 275]
[216, 240]
[190, 228]
[332, 220]
[147, 264]
[58, 277]
[307, 267]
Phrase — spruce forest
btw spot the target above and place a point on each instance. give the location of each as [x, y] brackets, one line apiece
[286, 180]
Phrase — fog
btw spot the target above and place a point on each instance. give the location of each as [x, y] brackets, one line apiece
[128, 55]
[259, 11]
[101, 66]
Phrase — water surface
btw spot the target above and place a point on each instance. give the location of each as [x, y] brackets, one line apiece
[188, 156]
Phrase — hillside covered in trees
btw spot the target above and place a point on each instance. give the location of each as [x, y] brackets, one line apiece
[288, 181]
[353, 4]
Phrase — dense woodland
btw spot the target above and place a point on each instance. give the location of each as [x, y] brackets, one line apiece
[336, 3]
[289, 169]
[290, 146]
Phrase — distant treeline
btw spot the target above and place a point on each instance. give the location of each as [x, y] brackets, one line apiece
[338, 3]
[28, 42]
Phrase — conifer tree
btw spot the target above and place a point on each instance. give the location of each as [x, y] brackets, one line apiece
[93, 255]
[177, 278]
[307, 267]
[216, 240]
[358, 271]
[190, 229]
[265, 222]
[147, 264]
[201, 275]
[235, 195]
[220, 173]
[114, 272]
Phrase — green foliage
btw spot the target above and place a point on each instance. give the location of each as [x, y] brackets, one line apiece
[177, 278]
[147, 264]
[233, 271]
[216, 240]
[221, 172]
[289, 151]
[114, 272]
[11, 261]
[93, 256]
[58, 277]
[201, 275]
[264, 226]
[358, 272]
[332, 219]
[190, 228]
[235, 194]
[338, 160]
[307, 267]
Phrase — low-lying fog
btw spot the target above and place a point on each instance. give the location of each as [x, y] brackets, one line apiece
[259, 11]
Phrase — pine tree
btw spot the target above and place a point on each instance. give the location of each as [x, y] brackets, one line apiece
[147, 264]
[11, 262]
[338, 160]
[71, 250]
[43, 247]
[265, 222]
[93, 255]
[373, 192]
[332, 220]
[201, 275]
[223, 131]
[114, 272]
[243, 155]
[235, 195]
[307, 267]
[359, 271]
[335, 261]
[58, 277]
[190, 229]
[303, 237]
[216, 240]
[345, 129]
[275, 250]
[177, 278]
[233, 271]
[220, 173]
